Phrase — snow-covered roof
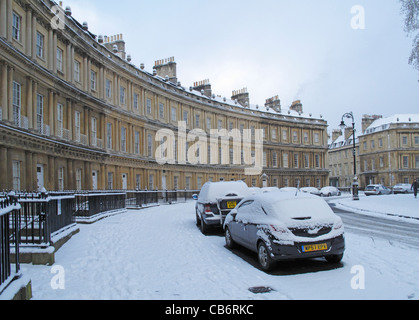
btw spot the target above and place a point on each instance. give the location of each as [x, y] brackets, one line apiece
[342, 142]
[385, 123]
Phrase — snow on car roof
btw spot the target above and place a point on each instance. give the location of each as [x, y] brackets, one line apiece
[211, 191]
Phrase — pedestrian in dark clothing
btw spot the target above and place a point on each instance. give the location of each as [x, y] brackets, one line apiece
[415, 187]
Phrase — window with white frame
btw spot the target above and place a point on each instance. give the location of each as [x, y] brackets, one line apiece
[306, 161]
[93, 80]
[17, 100]
[137, 142]
[176, 182]
[123, 139]
[173, 112]
[78, 179]
[110, 180]
[16, 175]
[60, 118]
[197, 121]
[185, 117]
[149, 145]
[77, 125]
[60, 179]
[94, 132]
[40, 40]
[284, 135]
[296, 160]
[151, 182]
[60, 60]
[109, 135]
[108, 89]
[188, 183]
[405, 162]
[273, 134]
[135, 101]
[17, 24]
[274, 159]
[148, 106]
[317, 161]
[161, 110]
[39, 112]
[77, 70]
[417, 162]
[285, 163]
[122, 91]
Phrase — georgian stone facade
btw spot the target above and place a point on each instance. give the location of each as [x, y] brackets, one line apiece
[76, 114]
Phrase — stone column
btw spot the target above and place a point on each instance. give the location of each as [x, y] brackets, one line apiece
[3, 168]
[29, 102]
[10, 93]
[4, 90]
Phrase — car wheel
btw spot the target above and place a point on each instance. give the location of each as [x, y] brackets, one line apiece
[229, 240]
[204, 227]
[198, 221]
[264, 257]
[334, 258]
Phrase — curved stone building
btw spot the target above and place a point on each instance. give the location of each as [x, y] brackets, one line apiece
[76, 114]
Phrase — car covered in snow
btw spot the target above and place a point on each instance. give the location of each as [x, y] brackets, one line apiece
[402, 188]
[284, 226]
[376, 190]
[216, 200]
[311, 190]
[330, 192]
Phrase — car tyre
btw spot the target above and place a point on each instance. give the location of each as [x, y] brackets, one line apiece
[229, 239]
[264, 257]
[204, 227]
[334, 258]
[198, 220]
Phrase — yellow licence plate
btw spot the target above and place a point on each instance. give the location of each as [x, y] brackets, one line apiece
[231, 204]
[315, 247]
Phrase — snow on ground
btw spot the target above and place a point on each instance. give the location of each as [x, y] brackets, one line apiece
[393, 206]
[159, 254]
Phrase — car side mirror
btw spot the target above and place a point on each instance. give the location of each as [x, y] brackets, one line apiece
[234, 214]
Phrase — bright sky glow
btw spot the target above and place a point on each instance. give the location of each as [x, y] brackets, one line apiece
[305, 49]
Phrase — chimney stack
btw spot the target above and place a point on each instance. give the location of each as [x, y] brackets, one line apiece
[116, 44]
[204, 86]
[274, 103]
[297, 106]
[367, 120]
[166, 67]
[242, 97]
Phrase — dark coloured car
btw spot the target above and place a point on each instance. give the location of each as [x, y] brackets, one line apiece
[285, 226]
[216, 200]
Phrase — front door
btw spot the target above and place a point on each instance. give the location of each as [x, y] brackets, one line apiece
[40, 176]
[94, 179]
[124, 181]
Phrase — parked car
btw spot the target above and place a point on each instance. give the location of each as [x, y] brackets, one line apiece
[376, 189]
[284, 226]
[402, 188]
[216, 200]
[311, 190]
[330, 192]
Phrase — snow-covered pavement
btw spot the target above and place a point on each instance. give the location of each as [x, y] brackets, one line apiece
[159, 254]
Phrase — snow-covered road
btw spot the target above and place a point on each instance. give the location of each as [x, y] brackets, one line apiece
[159, 254]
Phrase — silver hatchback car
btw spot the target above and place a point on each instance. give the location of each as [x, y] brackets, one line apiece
[286, 226]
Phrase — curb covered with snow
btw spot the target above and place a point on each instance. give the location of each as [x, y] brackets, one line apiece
[397, 207]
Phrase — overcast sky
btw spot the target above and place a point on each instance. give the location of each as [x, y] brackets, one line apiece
[297, 49]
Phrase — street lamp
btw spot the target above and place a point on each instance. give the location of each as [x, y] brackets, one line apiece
[355, 183]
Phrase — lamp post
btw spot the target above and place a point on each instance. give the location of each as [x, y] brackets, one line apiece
[355, 183]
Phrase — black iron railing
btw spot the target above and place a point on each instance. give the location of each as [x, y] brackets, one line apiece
[9, 231]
